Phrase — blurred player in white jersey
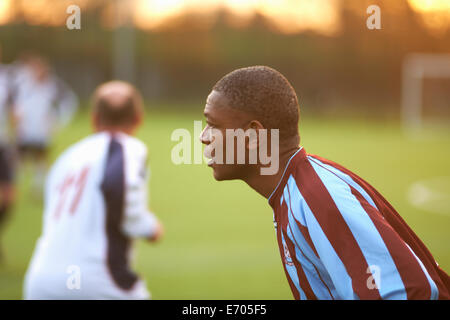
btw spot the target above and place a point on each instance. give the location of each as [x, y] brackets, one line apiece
[6, 164]
[95, 204]
[42, 103]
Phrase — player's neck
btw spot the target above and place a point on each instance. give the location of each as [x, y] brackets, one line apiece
[266, 184]
[129, 131]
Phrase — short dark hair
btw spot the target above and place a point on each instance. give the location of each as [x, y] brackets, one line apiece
[265, 93]
[117, 112]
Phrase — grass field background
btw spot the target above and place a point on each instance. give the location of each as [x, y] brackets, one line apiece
[220, 241]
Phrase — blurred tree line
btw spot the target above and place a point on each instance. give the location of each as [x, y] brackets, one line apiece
[355, 68]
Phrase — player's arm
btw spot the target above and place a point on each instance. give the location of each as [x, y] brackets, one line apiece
[139, 221]
[157, 233]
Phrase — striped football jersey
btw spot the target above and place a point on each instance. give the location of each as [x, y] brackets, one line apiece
[340, 239]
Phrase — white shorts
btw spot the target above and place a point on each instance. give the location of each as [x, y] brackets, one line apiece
[47, 287]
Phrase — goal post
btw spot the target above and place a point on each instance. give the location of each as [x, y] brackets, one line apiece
[416, 68]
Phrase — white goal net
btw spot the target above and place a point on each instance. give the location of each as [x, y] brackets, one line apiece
[416, 68]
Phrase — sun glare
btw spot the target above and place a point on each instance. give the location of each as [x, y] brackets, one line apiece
[435, 13]
[430, 5]
[287, 15]
[4, 11]
[292, 16]
[151, 13]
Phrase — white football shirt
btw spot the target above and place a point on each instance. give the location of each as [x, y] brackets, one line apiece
[95, 204]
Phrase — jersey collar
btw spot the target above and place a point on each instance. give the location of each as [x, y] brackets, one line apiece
[283, 176]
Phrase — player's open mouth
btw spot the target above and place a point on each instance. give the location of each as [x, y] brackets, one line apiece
[208, 153]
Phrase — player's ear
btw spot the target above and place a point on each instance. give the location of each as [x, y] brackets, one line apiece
[95, 121]
[253, 131]
[136, 123]
[138, 119]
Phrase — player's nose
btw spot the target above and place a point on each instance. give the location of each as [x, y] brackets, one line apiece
[204, 136]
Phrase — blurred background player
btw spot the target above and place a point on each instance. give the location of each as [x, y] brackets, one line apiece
[42, 102]
[6, 166]
[95, 203]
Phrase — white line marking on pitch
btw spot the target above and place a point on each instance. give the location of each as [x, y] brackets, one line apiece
[432, 195]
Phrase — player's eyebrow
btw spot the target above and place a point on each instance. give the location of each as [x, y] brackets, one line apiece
[208, 115]
[209, 120]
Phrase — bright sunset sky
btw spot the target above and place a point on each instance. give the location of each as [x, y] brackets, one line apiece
[287, 15]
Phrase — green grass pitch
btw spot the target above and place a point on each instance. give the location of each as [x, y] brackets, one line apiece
[220, 241]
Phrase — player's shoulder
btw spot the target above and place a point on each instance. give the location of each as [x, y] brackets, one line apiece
[314, 176]
[132, 145]
[86, 148]
[91, 142]
[84, 152]
[6, 72]
[4, 68]
[135, 156]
